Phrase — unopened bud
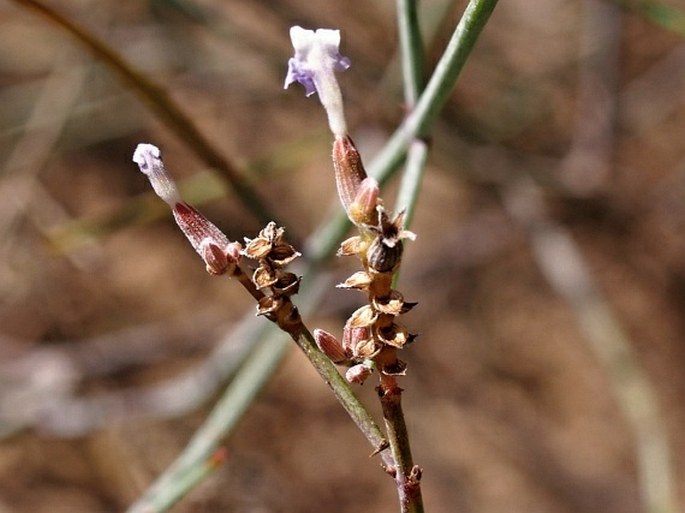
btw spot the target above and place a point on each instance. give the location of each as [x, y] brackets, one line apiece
[330, 346]
[217, 259]
[349, 170]
[358, 373]
[363, 209]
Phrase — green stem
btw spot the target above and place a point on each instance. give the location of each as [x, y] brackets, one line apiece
[188, 469]
[412, 65]
[411, 50]
[420, 121]
[407, 475]
[164, 107]
[342, 391]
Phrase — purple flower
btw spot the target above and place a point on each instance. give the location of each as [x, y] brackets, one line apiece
[317, 58]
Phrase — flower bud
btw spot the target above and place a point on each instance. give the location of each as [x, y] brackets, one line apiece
[198, 229]
[218, 253]
[363, 209]
[330, 346]
[349, 171]
[358, 373]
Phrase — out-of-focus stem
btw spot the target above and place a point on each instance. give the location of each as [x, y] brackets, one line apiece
[163, 106]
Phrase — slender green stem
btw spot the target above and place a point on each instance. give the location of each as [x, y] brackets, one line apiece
[411, 50]
[407, 475]
[345, 395]
[420, 121]
[187, 471]
[169, 112]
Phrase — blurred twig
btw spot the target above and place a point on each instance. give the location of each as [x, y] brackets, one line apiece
[21, 188]
[587, 165]
[665, 16]
[40, 385]
[563, 265]
[163, 106]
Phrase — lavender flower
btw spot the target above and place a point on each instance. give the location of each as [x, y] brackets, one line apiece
[317, 58]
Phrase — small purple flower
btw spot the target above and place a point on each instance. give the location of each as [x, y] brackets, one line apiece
[317, 58]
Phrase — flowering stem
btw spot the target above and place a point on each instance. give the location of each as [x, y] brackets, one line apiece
[345, 395]
[407, 475]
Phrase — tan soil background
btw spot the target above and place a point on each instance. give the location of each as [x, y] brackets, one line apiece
[507, 404]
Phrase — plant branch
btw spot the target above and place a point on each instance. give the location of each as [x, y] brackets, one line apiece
[320, 246]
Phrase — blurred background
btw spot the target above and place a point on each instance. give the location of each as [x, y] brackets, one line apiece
[549, 265]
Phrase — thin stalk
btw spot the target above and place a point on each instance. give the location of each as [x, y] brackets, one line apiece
[407, 475]
[412, 58]
[187, 471]
[665, 16]
[345, 395]
[420, 121]
[411, 50]
[169, 112]
[190, 468]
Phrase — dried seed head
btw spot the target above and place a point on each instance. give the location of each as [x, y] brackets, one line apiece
[359, 280]
[358, 373]
[288, 284]
[362, 317]
[352, 246]
[330, 346]
[268, 305]
[384, 255]
[264, 276]
[270, 244]
[395, 368]
[349, 171]
[366, 348]
[393, 304]
[394, 335]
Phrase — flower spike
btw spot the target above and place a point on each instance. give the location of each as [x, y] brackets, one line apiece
[317, 58]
